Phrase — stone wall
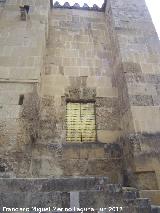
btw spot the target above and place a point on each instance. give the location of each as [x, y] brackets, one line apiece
[22, 49]
[110, 58]
[136, 51]
[78, 67]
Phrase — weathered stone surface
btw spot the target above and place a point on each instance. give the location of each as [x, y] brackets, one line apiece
[141, 100]
[143, 180]
[77, 159]
[130, 67]
[107, 118]
[106, 102]
[153, 195]
[48, 185]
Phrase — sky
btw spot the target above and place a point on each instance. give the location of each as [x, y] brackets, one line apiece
[153, 6]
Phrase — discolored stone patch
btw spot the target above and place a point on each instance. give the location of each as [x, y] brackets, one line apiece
[130, 67]
[141, 100]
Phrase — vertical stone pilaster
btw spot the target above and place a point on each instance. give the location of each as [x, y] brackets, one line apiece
[22, 53]
[136, 62]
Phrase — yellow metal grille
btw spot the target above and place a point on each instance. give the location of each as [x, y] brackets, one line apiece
[81, 126]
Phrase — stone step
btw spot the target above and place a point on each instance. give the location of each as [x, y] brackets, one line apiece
[153, 195]
[155, 209]
[87, 199]
[130, 193]
[83, 199]
[52, 184]
[83, 192]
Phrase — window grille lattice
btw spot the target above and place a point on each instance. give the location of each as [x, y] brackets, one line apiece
[80, 119]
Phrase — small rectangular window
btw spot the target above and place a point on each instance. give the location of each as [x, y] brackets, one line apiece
[81, 125]
[21, 99]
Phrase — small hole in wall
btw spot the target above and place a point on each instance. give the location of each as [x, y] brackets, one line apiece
[2, 168]
[21, 99]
